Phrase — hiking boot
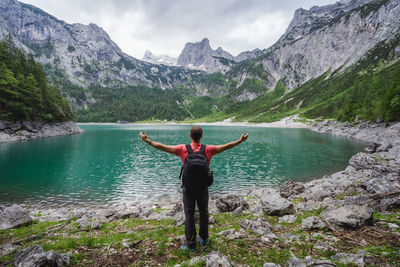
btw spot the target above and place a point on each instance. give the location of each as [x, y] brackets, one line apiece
[184, 247]
[204, 242]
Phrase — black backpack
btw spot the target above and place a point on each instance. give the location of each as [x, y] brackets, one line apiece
[196, 172]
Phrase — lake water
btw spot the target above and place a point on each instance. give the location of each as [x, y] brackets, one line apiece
[109, 164]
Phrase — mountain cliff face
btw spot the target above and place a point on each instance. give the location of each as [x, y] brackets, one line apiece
[324, 38]
[85, 54]
[201, 56]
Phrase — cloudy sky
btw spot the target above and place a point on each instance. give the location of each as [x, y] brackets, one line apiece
[164, 26]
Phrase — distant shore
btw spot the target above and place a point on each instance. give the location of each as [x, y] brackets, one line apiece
[288, 122]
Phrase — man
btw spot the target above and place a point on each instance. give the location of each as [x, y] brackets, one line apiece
[190, 199]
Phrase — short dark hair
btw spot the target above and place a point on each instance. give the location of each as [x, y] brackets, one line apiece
[196, 133]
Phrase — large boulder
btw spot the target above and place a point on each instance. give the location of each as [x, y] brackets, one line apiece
[226, 232]
[128, 213]
[273, 204]
[288, 219]
[86, 223]
[32, 257]
[7, 249]
[36, 257]
[371, 148]
[388, 203]
[179, 219]
[362, 258]
[312, 223]
[14, 216]
[229, 203]
[351, 216]
[387, 184]
[177, 208]
[56, 259]
[319, 245]
[291, 188]
[258, 227]
[213, 259]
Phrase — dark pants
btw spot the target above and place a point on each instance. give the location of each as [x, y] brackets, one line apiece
[189, 202]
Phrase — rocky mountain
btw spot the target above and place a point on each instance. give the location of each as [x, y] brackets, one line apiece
[84, 54]
[316, 68]
[159, 59]
[201, 56]
[337, 61]
[321, 39]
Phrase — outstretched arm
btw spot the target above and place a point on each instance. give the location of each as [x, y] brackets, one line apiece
[230, 145]
[159, 146]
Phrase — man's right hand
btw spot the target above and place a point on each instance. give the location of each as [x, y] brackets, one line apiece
[144, 137]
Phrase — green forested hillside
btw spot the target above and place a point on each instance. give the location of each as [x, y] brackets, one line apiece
[369, 94]
[132, 103]
[24, 91]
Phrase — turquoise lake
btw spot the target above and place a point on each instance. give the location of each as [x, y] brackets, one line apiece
[109, 164]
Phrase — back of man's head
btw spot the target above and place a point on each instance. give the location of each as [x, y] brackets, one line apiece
[196, 133]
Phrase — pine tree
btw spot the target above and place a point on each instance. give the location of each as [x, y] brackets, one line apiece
[24, 91]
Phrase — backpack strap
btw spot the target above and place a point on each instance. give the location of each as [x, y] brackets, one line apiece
[180, 175]
[189, 149]
[203, 150]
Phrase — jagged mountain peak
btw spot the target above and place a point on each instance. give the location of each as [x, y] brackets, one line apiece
[200, 55]
[304, 21]
[205, 42]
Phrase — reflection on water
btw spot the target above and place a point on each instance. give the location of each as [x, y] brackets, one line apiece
[110, 164]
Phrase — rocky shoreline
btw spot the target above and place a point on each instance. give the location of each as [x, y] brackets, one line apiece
[25, 130]
[342, 218]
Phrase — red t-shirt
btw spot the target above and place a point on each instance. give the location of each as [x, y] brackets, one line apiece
[180, 150]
